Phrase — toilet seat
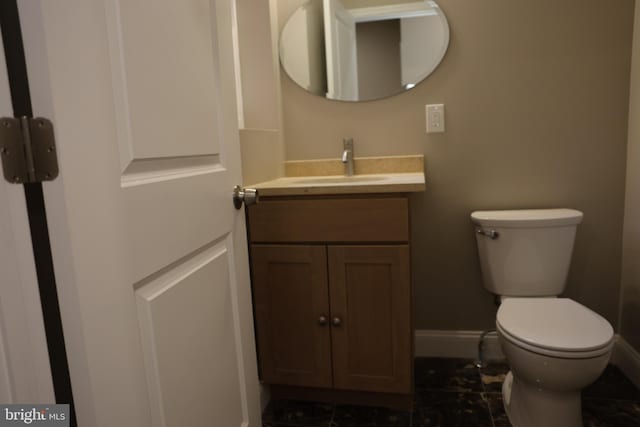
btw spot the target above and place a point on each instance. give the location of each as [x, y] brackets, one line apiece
[556, 353]
[557, 327]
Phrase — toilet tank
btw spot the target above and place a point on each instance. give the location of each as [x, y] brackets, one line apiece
[526, 252]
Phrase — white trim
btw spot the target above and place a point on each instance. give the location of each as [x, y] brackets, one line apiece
[460, 344]
[119, 82]
[627, 359]
[464, 344]
[394, 11]
[237, 66]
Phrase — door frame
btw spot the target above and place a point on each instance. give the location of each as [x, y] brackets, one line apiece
[32, 355]
[25, 374]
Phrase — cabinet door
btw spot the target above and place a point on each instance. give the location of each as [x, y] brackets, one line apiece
[291, 294]
[371, 318]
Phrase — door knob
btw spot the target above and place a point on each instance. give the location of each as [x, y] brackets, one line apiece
[248, 196]
[322, 320]
[336, 321]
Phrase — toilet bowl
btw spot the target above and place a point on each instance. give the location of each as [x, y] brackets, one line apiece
[554, 346]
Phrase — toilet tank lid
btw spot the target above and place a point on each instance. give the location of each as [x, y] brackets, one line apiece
[527, 218]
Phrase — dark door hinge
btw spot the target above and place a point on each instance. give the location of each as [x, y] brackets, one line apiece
[28, 150]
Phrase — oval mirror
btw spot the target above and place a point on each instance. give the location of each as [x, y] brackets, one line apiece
[361, 50]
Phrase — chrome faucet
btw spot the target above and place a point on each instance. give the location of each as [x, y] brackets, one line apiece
[347, 156]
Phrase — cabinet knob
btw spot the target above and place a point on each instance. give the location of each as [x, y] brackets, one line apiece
[336, 321]
[322, 320]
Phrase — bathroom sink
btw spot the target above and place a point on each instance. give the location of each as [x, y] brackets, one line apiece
[336, 180]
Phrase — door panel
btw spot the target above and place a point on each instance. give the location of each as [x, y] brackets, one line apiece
[165, 71]
[150, 254]
[166, 205]
[290, 294]
[185, 317]
[370, 293]
[164, 54]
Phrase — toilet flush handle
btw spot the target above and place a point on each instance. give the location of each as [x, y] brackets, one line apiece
[492, 234]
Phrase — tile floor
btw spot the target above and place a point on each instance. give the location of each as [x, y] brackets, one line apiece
[454, 393]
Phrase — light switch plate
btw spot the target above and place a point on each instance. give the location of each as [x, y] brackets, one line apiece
[435, 118]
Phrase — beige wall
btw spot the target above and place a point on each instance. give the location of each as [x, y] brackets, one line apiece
[261, 137]
[536, 96]
[630, 328]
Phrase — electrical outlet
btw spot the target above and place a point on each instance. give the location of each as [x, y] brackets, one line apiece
[435, 118]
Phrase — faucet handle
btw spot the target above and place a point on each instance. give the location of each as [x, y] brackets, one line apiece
[347, 143]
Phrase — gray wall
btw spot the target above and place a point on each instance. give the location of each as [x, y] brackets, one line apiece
[422, 39]
[631, 256]
[536, 96]
[379, 63]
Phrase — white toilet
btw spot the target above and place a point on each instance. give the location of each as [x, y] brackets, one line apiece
[555, 346]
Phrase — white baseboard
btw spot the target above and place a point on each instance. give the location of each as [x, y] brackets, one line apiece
[627, 359]
[460, 344]
[464, 344]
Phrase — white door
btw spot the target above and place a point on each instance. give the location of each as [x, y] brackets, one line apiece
[341, 52]
[149, 252]
[25, 375]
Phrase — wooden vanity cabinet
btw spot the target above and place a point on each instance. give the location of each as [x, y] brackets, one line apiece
[332, 293]
[291, 303]
[369, 288]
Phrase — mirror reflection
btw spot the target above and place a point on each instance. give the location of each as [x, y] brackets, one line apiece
[361, 50]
